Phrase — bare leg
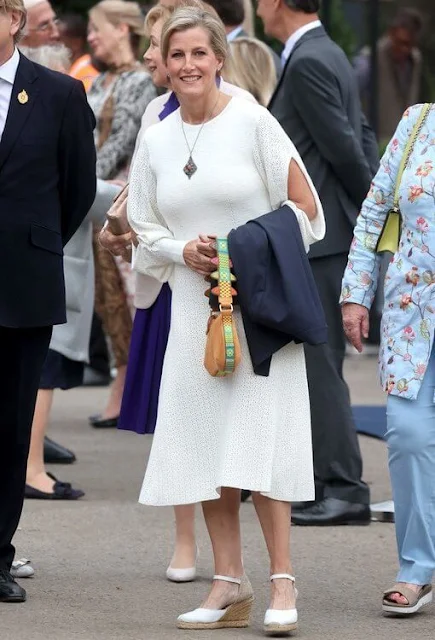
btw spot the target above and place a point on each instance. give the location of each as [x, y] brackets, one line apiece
[274, 517]
[36, 474]
[185, 546]
[113, 406]
[222, 520]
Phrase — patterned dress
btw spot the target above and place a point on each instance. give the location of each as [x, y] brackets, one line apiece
[130, 94]
[408, 318]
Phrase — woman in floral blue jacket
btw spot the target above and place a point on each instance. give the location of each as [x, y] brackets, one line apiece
[407, 358]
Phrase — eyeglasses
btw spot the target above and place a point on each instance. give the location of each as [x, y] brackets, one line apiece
[48, 25]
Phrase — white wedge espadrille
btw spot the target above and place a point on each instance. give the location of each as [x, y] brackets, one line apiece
[281, 621]
[235, 615]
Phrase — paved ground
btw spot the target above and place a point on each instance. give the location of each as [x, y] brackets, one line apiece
[100, 562]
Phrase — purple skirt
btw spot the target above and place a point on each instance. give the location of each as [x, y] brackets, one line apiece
[145, 362]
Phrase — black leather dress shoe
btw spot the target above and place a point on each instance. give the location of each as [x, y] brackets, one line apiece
[55, 453]
[333, 512]
[10, 591]
[300, 506]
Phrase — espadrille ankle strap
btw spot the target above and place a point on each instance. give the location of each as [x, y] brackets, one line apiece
[227, 579]
[284, 576]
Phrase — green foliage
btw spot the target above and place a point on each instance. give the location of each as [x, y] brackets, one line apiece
[338, 27]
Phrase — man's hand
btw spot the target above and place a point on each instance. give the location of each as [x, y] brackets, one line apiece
[355, 323]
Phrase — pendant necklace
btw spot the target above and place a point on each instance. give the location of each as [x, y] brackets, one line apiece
[190, 167]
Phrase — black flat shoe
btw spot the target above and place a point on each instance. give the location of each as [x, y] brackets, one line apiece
[61, 491]
[55, 453]
[99, 423]
[331, 512]
[10, 591]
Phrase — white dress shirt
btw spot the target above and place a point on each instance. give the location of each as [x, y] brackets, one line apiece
[232, 35]
[8, 71]
[295, 37]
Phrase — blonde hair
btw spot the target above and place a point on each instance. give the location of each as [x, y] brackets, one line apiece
[164, 12]
[15, 5]
[159, 12]
[120, 12]
[250, 66]
[248, 23]
[51, 56]
[190, 17]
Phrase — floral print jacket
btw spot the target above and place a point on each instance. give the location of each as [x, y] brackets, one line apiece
[408, 318]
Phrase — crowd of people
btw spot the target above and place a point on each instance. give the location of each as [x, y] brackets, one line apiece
[143, 169]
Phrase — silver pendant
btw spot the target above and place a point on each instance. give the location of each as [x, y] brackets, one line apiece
[190, 168]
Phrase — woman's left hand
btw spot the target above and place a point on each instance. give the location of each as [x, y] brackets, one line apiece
[196, 256]
[207, 245]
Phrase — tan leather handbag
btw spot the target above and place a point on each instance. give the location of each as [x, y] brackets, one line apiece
[222, 352]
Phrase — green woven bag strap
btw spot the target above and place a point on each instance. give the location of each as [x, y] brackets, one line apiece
[226, 304]
[408, 151]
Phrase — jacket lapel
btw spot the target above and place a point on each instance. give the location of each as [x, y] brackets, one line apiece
[23, 97]
[314, 33]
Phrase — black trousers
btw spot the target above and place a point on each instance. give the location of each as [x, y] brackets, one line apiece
[337, 456]
[23, 353]
[99, 358]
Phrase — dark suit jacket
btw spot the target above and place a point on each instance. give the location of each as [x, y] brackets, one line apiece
[47, 186]
[317, 104]
[277, 294]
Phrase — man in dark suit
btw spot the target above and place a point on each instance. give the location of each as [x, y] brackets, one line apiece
[232, 14]
[317, 104]
[47, 185]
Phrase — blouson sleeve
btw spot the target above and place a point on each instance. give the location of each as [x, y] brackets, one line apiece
[360, 279]
[158, 250]
[273, 153]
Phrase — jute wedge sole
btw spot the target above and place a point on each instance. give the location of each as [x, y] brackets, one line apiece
[236, 616]
[280, 629]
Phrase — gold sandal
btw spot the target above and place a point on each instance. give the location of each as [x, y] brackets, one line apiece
[415, 600]
[236, 615]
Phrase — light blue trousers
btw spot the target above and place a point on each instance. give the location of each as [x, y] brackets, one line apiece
[411, 457]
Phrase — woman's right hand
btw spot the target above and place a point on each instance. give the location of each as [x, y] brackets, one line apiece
[355, 323]
[195, 258]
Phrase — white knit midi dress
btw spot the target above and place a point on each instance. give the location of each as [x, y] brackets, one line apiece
[243, 431]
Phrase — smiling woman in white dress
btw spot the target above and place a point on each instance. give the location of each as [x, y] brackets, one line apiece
[216, 436]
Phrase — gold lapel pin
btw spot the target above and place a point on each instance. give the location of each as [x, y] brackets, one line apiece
[23, 97]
